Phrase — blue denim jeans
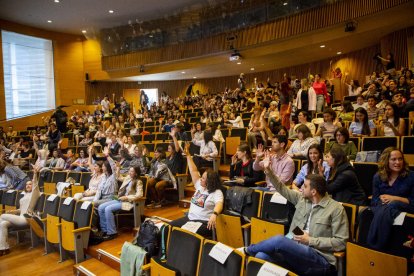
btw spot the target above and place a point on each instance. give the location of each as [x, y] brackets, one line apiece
[106, 216]
[320, 103]
[292, 255]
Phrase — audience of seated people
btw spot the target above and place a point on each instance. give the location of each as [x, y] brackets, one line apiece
[109, 144]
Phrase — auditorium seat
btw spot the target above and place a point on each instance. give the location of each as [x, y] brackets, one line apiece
[53, 223]
[234, 264]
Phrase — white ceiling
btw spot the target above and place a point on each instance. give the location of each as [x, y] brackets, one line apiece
[73, 16]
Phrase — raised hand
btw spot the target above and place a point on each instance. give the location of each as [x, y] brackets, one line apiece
[173, 132]
[106, 151]
[187, 148]
[260, 151]
[234, 159]
[321, 169]
[266, 160]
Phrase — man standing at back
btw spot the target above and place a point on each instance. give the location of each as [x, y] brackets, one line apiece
[319, 228]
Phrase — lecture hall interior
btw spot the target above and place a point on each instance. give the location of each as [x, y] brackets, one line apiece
[207, 137]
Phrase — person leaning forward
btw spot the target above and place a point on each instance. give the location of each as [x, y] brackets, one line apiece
[324, 224]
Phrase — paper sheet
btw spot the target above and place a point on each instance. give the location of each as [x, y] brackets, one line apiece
[399, 220]
[220, 252]
[269, 269]
[192, 226]
[85, 205]
[68, 200]
[52, 197]
[278, 198]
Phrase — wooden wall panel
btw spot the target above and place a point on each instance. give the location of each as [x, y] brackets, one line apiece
[295, 24]
[397, 43]
[357, 64]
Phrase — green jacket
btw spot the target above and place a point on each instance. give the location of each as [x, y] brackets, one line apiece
[328, 229]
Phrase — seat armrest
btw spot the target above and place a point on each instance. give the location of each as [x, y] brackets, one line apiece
[260, 183]
[185, 210]
[43, 219]
[339, 254]
[83, 229]
[247, 226]
[146, 267]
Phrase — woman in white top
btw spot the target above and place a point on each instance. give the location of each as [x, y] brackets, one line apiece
[235, 121]
[17, 218]
[354, 89]
[208, 150]
[392, 124]
[130, 145]
[96, 178]
[197, 132]
[299, 148]
[306, 97]
[207, 201]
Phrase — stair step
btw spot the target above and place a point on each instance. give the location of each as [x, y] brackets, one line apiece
[94, 267]
[109, 259]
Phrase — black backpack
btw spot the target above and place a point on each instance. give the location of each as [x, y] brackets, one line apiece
[149, 238]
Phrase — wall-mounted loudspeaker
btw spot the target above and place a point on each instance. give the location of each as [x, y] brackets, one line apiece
[86, 76]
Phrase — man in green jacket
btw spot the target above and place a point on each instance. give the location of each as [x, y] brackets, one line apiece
[320, 224]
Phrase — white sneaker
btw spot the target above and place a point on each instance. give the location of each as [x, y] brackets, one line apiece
[242, 250]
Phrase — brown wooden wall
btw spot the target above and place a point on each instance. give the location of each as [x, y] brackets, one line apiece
[397, 43]
[358, 64]
[295, 24]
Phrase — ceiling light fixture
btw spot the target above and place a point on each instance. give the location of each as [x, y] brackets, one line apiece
[182, 72]
[194, 77]
[322, 46]
[111, 11]
[84, 31]
[239, 62]
[49, 21]
[338, 53]
[285, 4]
[57, 1]
[252, 69]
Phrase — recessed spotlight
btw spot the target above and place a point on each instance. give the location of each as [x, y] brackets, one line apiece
[239, 62]
[111, 11]
[57, 1]
[338, 53]
[194, 77]
[285, 4]
[49, 21]
[322, 46]
[84, 31]
[252, 69]
[182, 72]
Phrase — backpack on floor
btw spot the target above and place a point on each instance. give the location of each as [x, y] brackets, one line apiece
[148, 238]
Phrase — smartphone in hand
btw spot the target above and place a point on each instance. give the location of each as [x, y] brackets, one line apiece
[297, 231]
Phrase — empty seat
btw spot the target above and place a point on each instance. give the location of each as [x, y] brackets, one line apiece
[379, 143]
[183, 254]
[53, 226]
[254, 265]
[209, 266]
[365, 172]
[75, 233]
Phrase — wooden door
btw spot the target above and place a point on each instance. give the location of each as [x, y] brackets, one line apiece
[132, 97]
